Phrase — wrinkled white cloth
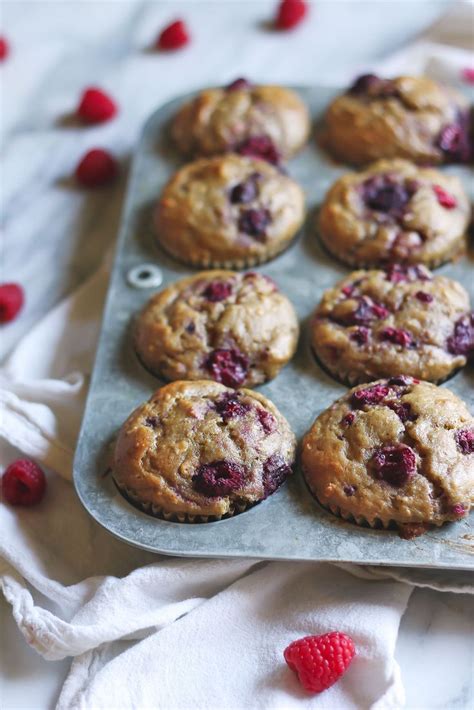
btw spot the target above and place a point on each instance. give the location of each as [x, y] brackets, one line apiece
[147, 631]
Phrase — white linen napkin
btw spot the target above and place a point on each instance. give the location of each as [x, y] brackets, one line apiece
[147, 631]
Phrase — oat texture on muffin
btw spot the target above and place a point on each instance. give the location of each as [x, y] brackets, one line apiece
[270, 122]
[228, 212]
[403, 319]
[199, 451]
[406, 117]
[395, 211]
[237, 329]
[394, 452]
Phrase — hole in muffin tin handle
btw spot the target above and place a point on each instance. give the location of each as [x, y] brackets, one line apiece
[145, 276]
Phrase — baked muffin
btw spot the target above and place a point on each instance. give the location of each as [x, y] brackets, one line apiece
[228, 211]
[198, 451]
[238, 329]
[379, 323]
[269, 122]
[407, 117]
[395, 211]
[398, 451]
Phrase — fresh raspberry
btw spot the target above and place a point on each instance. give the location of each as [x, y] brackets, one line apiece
[360, 335]
[229, 407]
[461, 342]
[228, 366]
[454, 139]
[4, 49]
[348, 290]
[275, 472]
[363, 83]
[395, 464]
[95, 106]
[96, 168]
[383, 194]
[424, 297]
[174, 36]
[219, 478]
[217, 291]
[445, 199]
[459, 509]
[396, 273]
[369, 395]
[23, 483]
[238, 85]
[254, 223]
[465, 440]
[403, 380]
[402, 410]
[245, 191]
[348, 419]
[290, 13]
[11, 301]
[267, 420]
[319, 661]
[366, 312]
[259, 147]
[467, 75]
[397, 336]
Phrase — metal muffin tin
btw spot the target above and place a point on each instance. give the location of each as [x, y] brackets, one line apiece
[289, 525]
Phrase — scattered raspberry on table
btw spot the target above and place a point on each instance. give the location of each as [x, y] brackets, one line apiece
[4, 49]
[23, 483]
[96, 106]
[290, 13]
[174, 36]
[445, 198]
[97, 167]
[319, 661]
[11, 301]
[467, 75]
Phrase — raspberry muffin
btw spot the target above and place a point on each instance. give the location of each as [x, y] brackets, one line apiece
[229, 211]
[269, 122]
[395, 211]
[398, 451]
[378, 323]
[198, 451]
[238, 329]
[407, 117]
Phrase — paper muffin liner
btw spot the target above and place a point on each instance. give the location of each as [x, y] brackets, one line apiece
[173, 517]
[406, 531]
[352, 380]
[457, 251]
[235, 264]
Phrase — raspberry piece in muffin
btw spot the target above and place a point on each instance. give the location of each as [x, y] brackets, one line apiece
[228, 211]
[395, 211]
[195, 464]
[406, 117]
[422, 326]
[269, 122]
[383, 470]
[238, 329]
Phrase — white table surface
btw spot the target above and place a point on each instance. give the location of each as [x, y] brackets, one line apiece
[54, 235]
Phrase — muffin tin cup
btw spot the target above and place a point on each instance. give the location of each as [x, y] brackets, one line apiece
[289, 524]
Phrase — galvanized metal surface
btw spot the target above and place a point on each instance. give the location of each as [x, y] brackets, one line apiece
[289, 525]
